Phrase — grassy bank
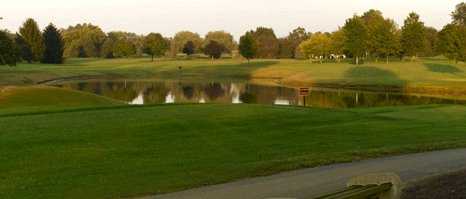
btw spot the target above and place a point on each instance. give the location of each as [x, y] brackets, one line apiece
[19, 99]
[128, 151]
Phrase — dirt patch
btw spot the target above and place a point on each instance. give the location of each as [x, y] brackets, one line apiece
[450, 186]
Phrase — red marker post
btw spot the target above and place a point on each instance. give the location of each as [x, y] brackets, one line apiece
[304, 92]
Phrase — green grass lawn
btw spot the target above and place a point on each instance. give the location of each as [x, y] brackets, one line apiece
[57, 143]
[130, 151]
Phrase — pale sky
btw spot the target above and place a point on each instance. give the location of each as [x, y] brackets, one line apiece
[201, 16]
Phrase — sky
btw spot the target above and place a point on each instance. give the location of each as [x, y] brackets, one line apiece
[201, 16]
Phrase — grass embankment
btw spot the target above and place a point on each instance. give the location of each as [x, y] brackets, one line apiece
[17, 99]
[129, 151]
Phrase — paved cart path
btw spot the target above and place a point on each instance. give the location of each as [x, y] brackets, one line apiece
[308, 183]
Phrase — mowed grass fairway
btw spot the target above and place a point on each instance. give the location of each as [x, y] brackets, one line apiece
[132, 151]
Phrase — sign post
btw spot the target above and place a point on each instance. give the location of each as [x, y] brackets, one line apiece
[304, 92]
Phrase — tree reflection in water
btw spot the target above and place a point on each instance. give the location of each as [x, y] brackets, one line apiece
[215, 92]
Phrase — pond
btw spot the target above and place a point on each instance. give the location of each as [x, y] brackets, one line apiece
[167, 92]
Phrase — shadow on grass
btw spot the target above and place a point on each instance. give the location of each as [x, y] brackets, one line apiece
[213, 71]
[369, 75]
[442, 68]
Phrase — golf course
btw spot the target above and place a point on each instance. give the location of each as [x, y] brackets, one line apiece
[57, 142]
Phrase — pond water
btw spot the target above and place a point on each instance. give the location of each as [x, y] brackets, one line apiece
[167, 92]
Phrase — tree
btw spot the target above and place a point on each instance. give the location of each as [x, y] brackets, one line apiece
[319, 45]
[386, 41]
[214, 49]
[223, 38]
[23, 50]
[266, 42]
[247, 46]
[413, 36]
[54, 46]
[337, 43]
[120, 44]
[189, 48]
[33, 37]
[155, 45]
[452, 43]
[289, 45]
[459, 15]
[83, 40]
[356, 37]
[373, 20]
[431, 37]
[181, 38]
[7, 53]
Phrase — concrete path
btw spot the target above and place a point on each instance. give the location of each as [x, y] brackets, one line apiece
[309, 183]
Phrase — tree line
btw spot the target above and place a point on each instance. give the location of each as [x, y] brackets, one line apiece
[369, 36]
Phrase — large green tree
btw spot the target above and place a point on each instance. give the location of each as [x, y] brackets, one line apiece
[247, 46]
[120, 44]
[83, 40]
[7, 50]
[23, 50]
[317, 47]
[373, 20]
[459, 15]
[181, 38]
[155, 45]
[385, 38]
[223, 38]
[266, 42]
[452, 42]
[31, 33]
[337, 43]
[355, 37]
[431, 37]
[54, 46]
[452, 38]
[413, 36]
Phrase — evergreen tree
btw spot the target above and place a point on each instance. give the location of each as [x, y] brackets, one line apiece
[247, 46]
[413, 36]
[155, 45]
[54, 46]
[33, 37]
[189, 48]
[7, 50]
[23, 50]
[356, 37]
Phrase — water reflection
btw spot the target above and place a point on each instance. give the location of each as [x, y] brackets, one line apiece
[236, 93]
